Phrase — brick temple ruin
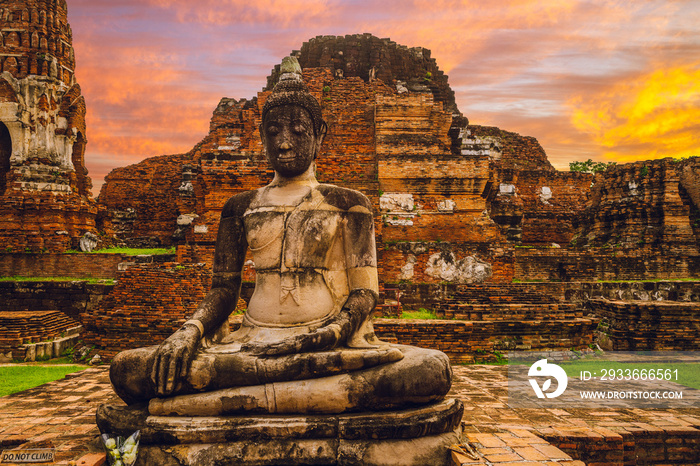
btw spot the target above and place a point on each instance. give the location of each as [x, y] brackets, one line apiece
[453, 201]
[45, 201]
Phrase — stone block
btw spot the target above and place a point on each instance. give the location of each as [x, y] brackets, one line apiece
[418, 436]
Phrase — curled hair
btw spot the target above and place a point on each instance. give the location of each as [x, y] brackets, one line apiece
[291, 90]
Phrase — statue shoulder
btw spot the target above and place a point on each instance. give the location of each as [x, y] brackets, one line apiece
[237, 204]
[344, 198]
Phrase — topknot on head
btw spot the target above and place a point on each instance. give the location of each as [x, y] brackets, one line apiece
[290, 69]
[291, 90]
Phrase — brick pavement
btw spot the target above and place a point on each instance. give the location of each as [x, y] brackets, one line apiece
[63, 411]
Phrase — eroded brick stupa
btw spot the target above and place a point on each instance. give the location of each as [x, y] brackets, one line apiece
[453, 201]
[45, 198]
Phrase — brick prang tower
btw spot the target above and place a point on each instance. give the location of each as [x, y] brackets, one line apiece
[45, 202]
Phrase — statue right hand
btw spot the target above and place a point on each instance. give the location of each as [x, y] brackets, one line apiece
[173, 359]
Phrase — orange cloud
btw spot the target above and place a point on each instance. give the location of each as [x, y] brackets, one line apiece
[142, 102]
[653, 116]
[459, 30]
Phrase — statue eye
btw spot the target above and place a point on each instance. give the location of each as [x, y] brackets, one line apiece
[299, 129]
[273, 130]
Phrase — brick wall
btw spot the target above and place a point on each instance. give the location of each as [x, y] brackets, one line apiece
[92, 265]
[44, 221]
[395, 257]
[642, 205]
[467, 341]
[554, 219]
[435, 296]
[580, 292]
[537, 204]
[622, 443]
[508, 150]
[649, 325]
[149, 303]
[603, 264]
[71, 298]
[151, 189]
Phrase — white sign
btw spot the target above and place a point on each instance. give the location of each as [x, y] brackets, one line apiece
[28, 456]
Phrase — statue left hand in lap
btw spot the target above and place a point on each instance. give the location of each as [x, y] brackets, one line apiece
[306, 344]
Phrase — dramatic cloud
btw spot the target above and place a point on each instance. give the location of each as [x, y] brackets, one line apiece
[606, 80]
[651, 116]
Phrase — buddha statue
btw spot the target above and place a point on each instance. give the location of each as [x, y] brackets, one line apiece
[306, 343]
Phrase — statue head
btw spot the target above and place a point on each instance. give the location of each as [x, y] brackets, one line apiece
[292, 128]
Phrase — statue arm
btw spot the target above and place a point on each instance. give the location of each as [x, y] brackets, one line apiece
[175, 354]
[361, 257]
[231, 246]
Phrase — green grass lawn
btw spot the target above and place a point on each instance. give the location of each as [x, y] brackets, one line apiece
[129, 251]
[106, 281]
[17, 377]
[419, 314]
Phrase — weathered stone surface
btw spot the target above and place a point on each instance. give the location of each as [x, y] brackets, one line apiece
[88, 242]
[421, 451]
[438, 418]
[467, 270]
[413, 436]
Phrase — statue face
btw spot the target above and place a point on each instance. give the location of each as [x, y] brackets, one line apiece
[288, 136]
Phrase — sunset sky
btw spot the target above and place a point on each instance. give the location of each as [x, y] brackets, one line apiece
[606, 80]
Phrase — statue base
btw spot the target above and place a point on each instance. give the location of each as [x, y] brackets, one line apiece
[416, 436]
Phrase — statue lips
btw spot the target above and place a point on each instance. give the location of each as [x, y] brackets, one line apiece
[291, 162]
[287, 156]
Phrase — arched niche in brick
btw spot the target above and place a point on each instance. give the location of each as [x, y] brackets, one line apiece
[13, 40]
[5, 154]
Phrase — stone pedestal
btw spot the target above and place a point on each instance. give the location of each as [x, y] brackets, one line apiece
[417, 436]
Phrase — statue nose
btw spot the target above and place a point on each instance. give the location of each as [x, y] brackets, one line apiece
[285, 146]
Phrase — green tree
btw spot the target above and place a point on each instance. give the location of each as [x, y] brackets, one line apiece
[589, 166]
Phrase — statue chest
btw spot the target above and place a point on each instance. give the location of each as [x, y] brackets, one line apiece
[292, 238]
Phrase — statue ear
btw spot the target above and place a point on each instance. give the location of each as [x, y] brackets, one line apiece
[320, 137]
[262, 133]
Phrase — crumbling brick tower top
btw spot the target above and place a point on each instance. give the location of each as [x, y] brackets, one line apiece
[37, 35]
[42, 129]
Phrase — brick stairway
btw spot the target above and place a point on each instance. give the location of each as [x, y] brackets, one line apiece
[20, 327]
[487, 318]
